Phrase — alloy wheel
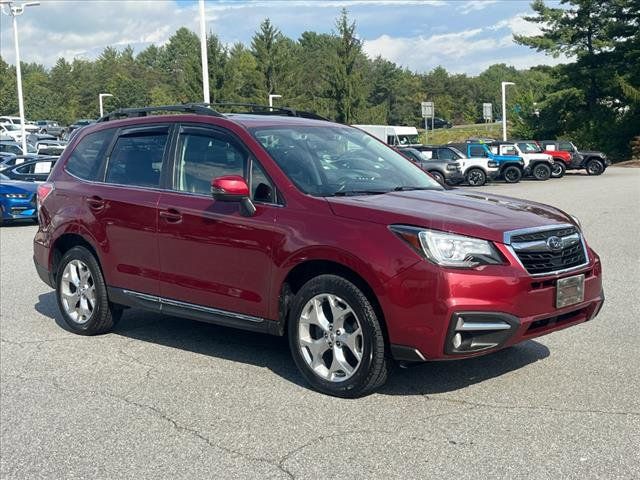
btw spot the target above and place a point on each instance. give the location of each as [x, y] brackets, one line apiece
[78, 291]
[330, 338]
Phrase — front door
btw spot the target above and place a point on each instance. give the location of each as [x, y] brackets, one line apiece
[210, 254]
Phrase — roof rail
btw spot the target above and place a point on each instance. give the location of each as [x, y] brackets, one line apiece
[258, 109]
[200, 109]
[207, 109]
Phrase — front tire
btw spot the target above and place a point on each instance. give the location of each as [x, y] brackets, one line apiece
[476, 177]
[558, 169]
[512, 174]
[437, 176]
[541, 171]
[336, 338]
[595, 167]
[82, 294]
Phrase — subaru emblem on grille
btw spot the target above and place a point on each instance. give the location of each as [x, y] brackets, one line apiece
[555, 243]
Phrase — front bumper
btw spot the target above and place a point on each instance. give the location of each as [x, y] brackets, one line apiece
[424, 304]
[18, 209]
[454, 177]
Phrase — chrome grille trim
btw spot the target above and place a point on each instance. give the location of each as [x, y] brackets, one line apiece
[526, 247]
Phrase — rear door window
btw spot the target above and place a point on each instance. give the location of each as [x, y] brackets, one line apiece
[86, 159]
[137, 157]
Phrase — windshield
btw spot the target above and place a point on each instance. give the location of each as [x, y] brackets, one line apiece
[528, 147]
[11, 126]
[334, 160]
[408, 140]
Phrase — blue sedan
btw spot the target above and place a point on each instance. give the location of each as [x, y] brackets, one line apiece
[17, 200]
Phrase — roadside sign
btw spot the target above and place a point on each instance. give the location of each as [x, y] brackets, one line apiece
[427, 109]
[487, 111]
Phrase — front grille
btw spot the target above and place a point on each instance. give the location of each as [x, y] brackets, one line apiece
[537, 258]
[531, 237]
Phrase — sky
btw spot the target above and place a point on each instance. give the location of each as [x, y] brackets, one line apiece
[464, 36]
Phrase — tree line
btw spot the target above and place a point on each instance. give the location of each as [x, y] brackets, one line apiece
[593, 99]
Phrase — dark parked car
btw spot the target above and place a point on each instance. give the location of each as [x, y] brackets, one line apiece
[444, 171]
[68, 133]
[17, 200]
[36, 170]
[50, 127]
[595, 163]
[438, 123]
[279, 224]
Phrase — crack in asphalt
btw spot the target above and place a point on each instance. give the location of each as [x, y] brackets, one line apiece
[159, 414]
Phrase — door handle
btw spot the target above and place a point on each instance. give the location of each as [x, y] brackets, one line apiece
[95, 203]
[171, 215]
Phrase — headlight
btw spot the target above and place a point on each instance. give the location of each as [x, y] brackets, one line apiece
[578, 222]
[493, 164]
[16, 195]
[452, 167]
[448, 249]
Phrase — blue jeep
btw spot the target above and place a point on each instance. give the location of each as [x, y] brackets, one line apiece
[510, 167]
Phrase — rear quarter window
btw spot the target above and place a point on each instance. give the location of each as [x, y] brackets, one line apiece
[86, 159]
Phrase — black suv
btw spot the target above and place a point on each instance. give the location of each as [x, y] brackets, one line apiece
[438, 123]
[443, 170]
[595, 163]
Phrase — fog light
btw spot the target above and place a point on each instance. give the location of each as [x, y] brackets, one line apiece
[457, 340]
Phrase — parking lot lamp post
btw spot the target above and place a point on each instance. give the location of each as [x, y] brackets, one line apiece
[504, 109]
[203, 55]
[100, 97]
[15, 10]
[271, 97]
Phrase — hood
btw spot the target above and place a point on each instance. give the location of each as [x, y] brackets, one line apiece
[474, 214]
[506, 158]
[558, 153]
[591, 152]
[16, 186]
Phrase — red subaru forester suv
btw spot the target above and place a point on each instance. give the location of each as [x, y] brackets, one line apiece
[276, 222]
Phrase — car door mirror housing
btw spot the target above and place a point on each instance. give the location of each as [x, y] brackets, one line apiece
[233, 188]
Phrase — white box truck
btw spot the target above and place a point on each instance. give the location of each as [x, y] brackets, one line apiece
[393, 135]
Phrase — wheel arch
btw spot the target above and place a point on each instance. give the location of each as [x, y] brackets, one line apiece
[304, 271]
[66, 242]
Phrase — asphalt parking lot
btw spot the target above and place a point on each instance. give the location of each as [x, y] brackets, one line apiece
[164, 398]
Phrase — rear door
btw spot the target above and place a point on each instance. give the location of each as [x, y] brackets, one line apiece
[125, 205]
[211, 255]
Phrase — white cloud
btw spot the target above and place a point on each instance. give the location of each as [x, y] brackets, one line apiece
[74, 28]
[475, 5]
[518, 25]
[423, 53]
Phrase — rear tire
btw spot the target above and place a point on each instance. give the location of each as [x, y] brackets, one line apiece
[595, 167]
[512, 174]
[336, 338]
[82, 294]
[541, 171]
[558, 169]
[476, 177]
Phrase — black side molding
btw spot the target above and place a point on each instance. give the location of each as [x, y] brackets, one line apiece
[191, 311]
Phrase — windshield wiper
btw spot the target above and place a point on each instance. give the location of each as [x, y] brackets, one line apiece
[406, 188]
[346, 193]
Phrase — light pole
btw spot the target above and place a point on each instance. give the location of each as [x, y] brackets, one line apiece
[14, 10]
[100, 97]
[271, 97]
[504, 109]
[203, 54]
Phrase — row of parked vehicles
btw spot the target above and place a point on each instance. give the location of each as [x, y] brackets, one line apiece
[22, 171]
[477, 161]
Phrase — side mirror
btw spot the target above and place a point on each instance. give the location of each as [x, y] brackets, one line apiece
[233, 188]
